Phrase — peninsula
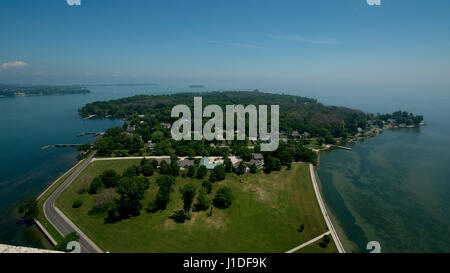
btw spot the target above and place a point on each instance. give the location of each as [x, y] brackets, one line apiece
[40, 90]
[161, 195]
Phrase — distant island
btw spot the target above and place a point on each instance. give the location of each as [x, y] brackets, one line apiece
[123, 84]
[196, 86]
[40, 90]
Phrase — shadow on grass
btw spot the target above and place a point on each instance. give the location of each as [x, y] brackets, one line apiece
[179, 217]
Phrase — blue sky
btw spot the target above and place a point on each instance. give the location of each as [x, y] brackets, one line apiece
[315, 44]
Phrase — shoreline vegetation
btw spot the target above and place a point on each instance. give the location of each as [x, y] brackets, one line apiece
[306, 128]
[304, 123]
[40, 90]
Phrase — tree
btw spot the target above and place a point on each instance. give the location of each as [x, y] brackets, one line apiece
[164, 168]
[136, 144]
[154, 164]
[305, 154]
[113, 213]
[143, 162]
[132, 191]
[241, 167]
[202, 171]
[96, 185]
[191, 171]
[109, 178]
[223, 197]
[131, 171]
[174, 169]
[84, 147]
[157, 136]
[285, 157]
[253, 168]
[165, 183]
[203, 202]
[29, 207]
[228, 165]
[271, 164]
[104, 145]
[218, 173]
[207, 185]
[147, 169]
[187, 195]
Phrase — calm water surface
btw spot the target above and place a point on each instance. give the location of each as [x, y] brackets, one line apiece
[394, 188]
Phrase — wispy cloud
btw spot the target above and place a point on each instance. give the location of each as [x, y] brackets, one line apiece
[14, 64]
[303, 39]
[231, 44]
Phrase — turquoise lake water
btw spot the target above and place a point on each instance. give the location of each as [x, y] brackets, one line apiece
[393, 188]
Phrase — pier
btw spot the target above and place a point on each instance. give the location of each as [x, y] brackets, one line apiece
[343, 147]
[59, 146]
[91, 133]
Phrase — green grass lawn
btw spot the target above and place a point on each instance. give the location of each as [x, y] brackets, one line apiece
[265, 214]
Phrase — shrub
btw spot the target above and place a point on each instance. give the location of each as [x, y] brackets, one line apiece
[202, 171]
[207, 185]
[96, 185]
[77, 203]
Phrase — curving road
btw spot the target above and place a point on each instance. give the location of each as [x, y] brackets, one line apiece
[62, 224]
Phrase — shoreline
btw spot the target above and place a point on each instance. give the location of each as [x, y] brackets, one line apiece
[323, 208]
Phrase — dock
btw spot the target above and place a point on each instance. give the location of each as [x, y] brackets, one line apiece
[59, 146]
[343, 147]
[91, 133]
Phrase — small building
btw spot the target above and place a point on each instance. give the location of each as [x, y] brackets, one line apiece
[295, 134]
[165, 125]
[209, 165]
[150, 146]
[258, 156]
[159, 159]
[265, 139]
[130, 129]
[258, 160]
[306, 135]
[185, 163]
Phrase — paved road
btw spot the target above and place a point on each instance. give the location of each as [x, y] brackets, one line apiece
[338, 243]
[62, 224]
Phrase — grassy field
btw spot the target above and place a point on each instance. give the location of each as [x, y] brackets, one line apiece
[266, 212]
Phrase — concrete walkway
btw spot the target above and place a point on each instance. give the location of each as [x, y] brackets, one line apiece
[308, 243]
[330, 226]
